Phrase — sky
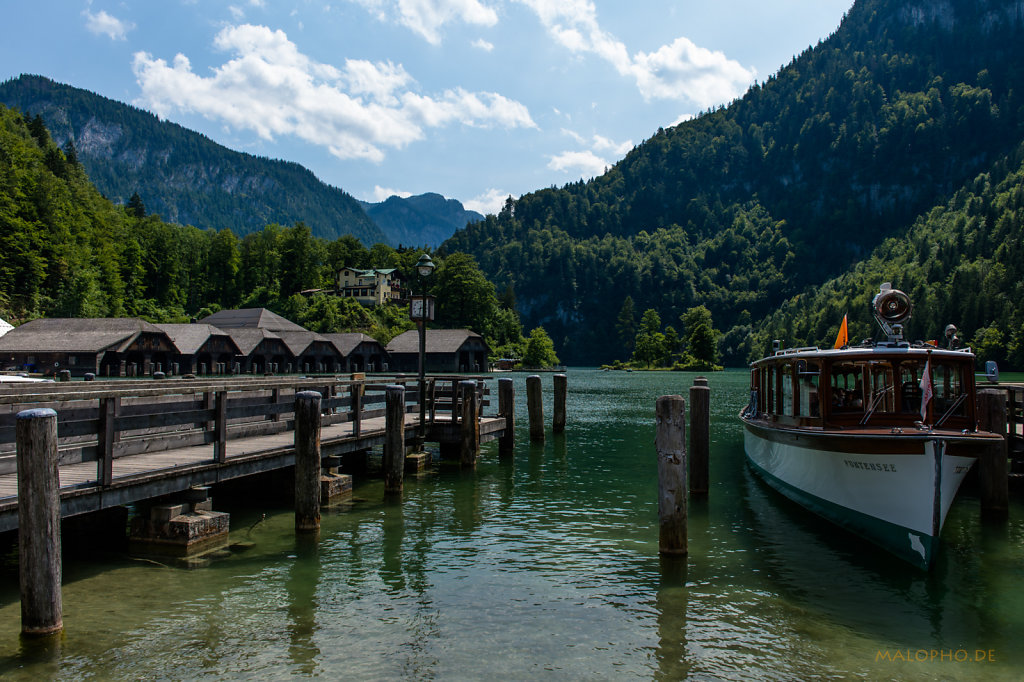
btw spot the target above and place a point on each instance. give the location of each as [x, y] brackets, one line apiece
[477, 100]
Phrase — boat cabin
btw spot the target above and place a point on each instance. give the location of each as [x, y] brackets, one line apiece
[864, 387]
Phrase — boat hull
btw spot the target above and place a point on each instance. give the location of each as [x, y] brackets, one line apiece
[892, 490]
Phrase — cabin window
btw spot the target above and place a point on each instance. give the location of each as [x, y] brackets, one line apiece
[882, 396]
[910, 386]
[786, 388]
[808, 376]
[948, 391]
[847, 388]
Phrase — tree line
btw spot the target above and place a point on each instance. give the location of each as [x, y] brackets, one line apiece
[67, 251]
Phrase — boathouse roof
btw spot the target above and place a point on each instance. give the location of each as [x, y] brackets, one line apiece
[348, 342]
[252, 318]
[247, 339]
[188, 339]
[299, 342]
[76, 334]
[438, 341]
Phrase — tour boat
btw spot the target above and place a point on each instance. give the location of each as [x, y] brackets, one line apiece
[876, 437]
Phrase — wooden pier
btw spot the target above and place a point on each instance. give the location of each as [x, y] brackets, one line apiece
[122, 442]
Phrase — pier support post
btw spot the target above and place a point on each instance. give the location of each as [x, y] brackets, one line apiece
[670, 443]
[535, 408]
[394, 438]
[507, 409]
[470, 427]
[993, 467]
[558, 416]
[39, 522]
[700, 435]
[307, 461]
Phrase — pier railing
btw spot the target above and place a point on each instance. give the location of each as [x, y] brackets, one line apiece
[104, 420]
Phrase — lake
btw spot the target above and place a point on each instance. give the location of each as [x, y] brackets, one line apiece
[546, 565]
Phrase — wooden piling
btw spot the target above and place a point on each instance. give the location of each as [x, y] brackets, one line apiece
[670, 444]
[394, 438]
[535, 408]
[507, 409]
[39, 522]
[993, 467]
[700, 435]
[558, 416]
[470, 427]
[307, 461]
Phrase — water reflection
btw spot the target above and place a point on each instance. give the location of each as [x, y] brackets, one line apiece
[301, 588]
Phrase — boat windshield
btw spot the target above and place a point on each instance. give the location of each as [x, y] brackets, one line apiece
[873, 388]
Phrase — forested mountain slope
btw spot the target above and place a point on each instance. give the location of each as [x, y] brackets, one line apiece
[801, 178]
[182, 175]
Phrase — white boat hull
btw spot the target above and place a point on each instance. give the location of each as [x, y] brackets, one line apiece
[897, 497]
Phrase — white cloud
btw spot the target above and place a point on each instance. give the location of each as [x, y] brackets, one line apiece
[587, 163]
[382, 193]
[681, 70]
[602, 143]
[102, 23]
[428, 17]
[482, 44]
[682, 118]
[273, 89]
[490, 202]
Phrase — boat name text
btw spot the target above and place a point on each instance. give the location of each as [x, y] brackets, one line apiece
[869, 466]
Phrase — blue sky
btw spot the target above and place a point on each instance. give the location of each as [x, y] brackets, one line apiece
[473, 99]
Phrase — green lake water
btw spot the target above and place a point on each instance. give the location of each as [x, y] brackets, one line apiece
[547, 566]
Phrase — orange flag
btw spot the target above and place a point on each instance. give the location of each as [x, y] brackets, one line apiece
[843, 338]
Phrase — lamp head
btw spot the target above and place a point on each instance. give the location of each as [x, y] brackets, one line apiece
[425, 265]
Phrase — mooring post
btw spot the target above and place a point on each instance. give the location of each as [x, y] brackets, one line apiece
[355, 393]
[993, 469]
[307, 461]
[558, 416]
[670, 443]
[700, 435]
[39, 560]
[394, 438]
[535, 408]
[507, 409]
[470, 428]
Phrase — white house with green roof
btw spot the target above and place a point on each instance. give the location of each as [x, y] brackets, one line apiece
[371, 287]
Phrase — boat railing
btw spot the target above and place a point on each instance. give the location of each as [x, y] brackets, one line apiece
[792, 351]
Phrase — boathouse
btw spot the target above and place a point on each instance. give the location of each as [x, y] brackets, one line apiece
[312, 352]
[261, 351]
[120, 346]
[252, 318]
[201, 349]
[359, 352]
[447, 350]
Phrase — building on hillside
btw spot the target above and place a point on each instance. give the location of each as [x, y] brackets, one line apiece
[447, 350]
[202, 349]
[359, 352]
[312, 352]
[113, 347]
[371, 287]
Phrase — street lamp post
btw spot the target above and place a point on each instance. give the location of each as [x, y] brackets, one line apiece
[421, 309]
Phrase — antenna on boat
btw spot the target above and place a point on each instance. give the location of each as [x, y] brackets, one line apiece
[892, 309]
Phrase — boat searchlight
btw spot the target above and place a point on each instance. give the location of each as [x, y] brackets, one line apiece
[892, 308]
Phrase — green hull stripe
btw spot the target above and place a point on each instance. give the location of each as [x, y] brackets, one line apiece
[889, 536]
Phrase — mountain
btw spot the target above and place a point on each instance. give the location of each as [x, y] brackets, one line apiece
[745, 206]
[422, 220]
[181, 175]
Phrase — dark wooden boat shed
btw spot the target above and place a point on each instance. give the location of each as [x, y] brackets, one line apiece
[448, 350]
[117, 346]
[359, 352]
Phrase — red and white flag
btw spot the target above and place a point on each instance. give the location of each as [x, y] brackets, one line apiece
[926, 389]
